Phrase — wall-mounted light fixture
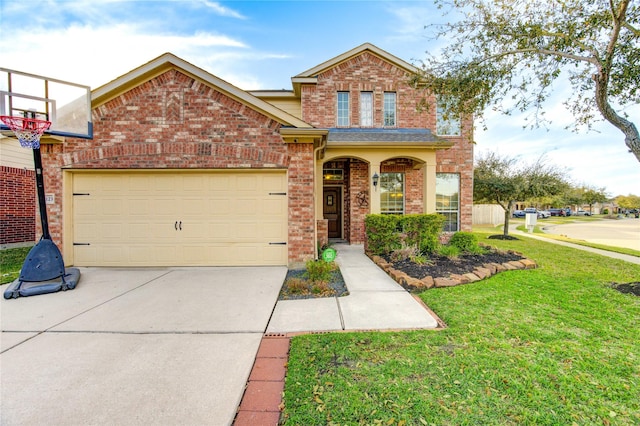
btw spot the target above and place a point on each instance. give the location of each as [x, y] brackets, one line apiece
[375, 179]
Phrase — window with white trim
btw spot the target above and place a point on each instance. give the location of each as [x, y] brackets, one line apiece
[391, 193]
[343, 109]
[389, 109]
[448, 199]
[366, 109]
[447, 121]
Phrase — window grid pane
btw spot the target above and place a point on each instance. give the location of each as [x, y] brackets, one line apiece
[392, 193]
[447, 124]
[448, 199]
[366, 109]
[343, 109]
[389, 108]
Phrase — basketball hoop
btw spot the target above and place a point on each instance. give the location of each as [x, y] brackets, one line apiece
[27, 130]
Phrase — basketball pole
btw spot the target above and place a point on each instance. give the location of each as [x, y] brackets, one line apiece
[37, 161]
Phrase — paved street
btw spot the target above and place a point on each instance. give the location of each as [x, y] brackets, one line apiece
[618, 233]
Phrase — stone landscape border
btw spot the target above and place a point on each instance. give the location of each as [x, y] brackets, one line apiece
[479, 273]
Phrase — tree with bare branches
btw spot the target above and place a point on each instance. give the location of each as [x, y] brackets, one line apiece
[507, 54]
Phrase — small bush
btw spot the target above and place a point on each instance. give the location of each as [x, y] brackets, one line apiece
[420, 259]
[322, 289]
[449, 251]
[386, 233]
[319, 270]
[382, 233]
[466, 242]
[296, 285]
[404, 253]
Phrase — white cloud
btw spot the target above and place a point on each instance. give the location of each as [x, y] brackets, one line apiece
[222, 10]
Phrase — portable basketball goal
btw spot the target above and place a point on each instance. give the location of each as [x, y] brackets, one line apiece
[43, 270]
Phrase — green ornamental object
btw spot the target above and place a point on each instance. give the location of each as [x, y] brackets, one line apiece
[329, 255]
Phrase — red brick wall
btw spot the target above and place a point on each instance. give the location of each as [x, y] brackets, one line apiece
[175, 121]
[17, 205]
[459, 159]
[302, 224]
[358, 183]
[367, 72]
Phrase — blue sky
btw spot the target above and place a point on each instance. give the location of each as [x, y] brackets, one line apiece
[262, 44]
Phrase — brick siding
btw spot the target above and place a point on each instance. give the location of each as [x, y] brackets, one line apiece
[175, 121]
[368, 72]
[17, 205]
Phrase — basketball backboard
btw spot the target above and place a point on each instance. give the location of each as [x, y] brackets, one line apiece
[66, 105]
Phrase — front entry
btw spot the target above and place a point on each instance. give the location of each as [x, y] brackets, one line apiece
[332, 210]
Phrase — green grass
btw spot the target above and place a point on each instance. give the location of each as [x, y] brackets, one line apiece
[11, 261]
[519, 223]
[550, 346]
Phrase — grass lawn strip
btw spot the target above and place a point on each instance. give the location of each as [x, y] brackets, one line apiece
[553, 345]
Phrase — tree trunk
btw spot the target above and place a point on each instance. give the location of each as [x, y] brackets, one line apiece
[507, 216]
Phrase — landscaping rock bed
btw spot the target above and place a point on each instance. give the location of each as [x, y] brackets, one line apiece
[336, 287]
[440, 271]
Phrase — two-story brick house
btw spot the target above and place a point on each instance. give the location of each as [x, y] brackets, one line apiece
[187, 169]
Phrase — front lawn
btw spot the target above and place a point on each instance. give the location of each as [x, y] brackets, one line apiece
[550, 346]
[11, 261]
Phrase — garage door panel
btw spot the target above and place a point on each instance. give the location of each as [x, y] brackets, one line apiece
[175, 219]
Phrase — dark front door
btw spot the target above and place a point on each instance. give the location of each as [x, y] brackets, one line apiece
[332, 211]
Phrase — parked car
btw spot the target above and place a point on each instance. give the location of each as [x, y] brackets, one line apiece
[540, 214]
[557, 212]
[581, 212]
[543, 214]
[519, 213]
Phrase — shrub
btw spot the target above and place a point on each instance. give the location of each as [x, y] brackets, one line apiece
[451, 252]
[319, 270]
[382, 233]
[296, 285]
[404, 253]
[420, 259]
[466, 242]
[422, 230]
[322, 288]
[386, 233]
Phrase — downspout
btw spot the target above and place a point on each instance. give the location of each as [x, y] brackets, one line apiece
[323, 144]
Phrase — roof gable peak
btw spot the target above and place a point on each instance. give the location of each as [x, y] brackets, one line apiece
[359, 50]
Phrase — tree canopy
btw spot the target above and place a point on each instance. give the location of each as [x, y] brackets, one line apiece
[506, 180]
[507, 54]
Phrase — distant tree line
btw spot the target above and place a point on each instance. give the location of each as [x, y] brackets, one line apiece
[507, 180]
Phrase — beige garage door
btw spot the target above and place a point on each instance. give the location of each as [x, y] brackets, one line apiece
[180, 219]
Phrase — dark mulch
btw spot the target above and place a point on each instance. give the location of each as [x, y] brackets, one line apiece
[440, 266]
[629, 288]
[501, 237]
[337, 286]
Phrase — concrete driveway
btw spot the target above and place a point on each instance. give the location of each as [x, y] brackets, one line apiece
[135, 346]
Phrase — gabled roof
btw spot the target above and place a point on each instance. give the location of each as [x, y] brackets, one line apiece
[168, 61]
[311, 75]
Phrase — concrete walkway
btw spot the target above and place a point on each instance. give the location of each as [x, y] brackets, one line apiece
[375, 302]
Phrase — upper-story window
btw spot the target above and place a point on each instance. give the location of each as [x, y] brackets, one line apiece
[366, 109]
[343, 109]
[389, 109]
[447, 122]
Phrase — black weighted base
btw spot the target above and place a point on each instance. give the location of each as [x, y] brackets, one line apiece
[20, 288]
